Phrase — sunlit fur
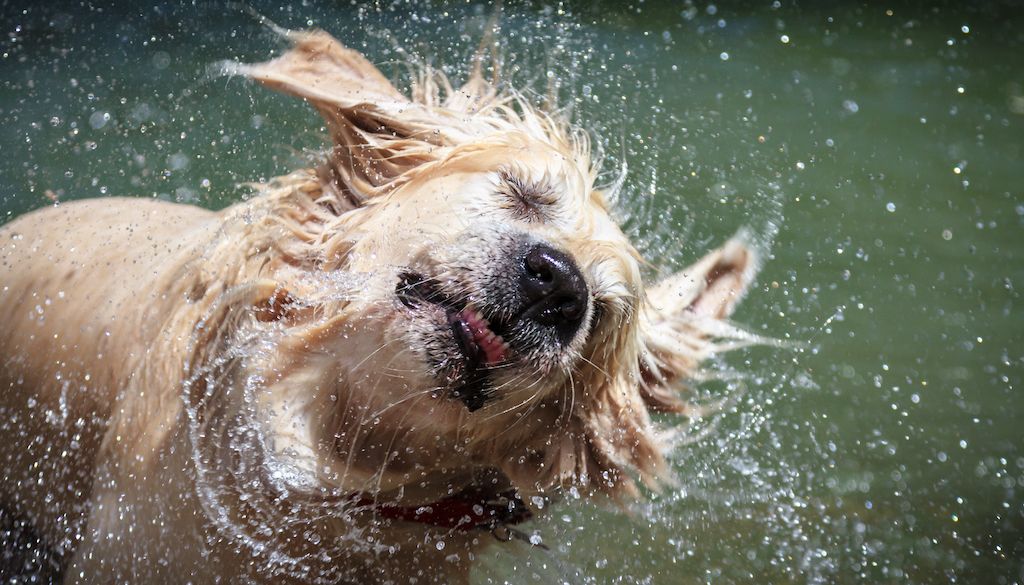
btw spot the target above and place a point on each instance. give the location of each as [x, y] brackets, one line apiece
[284, 374]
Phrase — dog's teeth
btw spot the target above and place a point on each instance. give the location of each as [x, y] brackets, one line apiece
[479, 316]
[499, 340]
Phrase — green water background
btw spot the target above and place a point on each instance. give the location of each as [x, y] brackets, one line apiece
[875, 151]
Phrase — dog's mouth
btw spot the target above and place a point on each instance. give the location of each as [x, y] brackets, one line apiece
[480, 341]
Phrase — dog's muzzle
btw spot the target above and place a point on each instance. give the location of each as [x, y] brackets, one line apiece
[532, 302]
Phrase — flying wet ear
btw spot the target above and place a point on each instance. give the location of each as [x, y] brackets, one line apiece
[378, 133]
[322, 70]
[685, 319]
[713, 286]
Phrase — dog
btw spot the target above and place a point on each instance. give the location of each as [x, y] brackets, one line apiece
[369, 370]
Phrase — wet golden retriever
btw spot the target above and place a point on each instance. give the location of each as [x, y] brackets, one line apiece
[366, 372]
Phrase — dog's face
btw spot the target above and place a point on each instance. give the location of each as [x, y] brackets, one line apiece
[503, 259]
[501, 332]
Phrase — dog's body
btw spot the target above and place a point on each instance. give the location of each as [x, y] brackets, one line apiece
[355, 375]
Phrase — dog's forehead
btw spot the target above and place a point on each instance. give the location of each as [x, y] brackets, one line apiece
[543, 160]
[582, 220]
[533, 160]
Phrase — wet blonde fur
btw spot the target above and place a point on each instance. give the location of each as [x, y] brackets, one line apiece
[228, 386]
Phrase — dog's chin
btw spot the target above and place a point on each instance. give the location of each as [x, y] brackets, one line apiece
[471, 350]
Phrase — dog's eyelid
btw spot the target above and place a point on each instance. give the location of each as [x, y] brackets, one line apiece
[531, 199]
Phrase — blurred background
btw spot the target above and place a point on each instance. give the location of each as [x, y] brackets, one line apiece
[874, 150]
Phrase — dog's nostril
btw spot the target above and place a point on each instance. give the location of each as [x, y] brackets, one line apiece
[572, 309]
[538, 264]
[554, 290]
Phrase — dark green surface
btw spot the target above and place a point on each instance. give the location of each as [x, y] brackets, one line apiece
[880, 155]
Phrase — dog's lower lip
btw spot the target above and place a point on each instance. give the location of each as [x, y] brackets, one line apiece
[464, 337]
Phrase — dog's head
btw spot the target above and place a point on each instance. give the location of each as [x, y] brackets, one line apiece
[498, 330]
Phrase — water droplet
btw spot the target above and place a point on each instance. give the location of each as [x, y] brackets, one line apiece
[99, 119]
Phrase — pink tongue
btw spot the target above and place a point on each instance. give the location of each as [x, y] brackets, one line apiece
[492, 345]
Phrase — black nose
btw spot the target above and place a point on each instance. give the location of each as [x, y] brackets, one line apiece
[554, 291]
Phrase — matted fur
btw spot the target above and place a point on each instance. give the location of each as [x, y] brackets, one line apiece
[239, 381]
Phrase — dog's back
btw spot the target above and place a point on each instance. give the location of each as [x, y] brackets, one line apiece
[77, 281]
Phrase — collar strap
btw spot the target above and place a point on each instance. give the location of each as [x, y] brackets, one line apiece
[465, 511]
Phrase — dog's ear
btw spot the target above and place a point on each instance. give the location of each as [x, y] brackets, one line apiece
[378, 133]
[318, 68]
[685, 321]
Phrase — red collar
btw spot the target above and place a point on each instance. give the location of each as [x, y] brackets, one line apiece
[470, 509]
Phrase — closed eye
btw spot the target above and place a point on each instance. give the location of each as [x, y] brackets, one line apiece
[526, 199]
